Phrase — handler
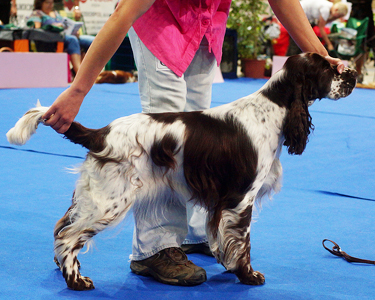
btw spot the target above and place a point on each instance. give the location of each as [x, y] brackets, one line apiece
[177, 45]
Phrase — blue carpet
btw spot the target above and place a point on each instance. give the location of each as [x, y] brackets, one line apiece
[328, 193]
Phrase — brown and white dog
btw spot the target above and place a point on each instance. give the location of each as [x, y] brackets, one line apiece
[224, 158]
[116, 76]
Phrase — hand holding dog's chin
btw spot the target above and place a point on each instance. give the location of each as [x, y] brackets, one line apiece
[62, 112]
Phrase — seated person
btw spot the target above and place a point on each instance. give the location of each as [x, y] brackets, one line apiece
[319, 13]
[44, 14]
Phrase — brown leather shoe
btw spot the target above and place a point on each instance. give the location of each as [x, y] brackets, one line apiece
[170, 266]
[202, 248]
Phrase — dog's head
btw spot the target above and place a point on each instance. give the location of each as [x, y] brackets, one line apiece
[317, 78]
[303, 79]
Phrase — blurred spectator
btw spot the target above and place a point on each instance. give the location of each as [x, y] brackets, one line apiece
[44, 16]
[360, 10]
[319, 13]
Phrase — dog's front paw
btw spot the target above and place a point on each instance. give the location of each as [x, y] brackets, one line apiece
[80, 283]
[252, 278]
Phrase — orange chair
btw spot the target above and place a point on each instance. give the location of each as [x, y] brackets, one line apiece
[16, 39]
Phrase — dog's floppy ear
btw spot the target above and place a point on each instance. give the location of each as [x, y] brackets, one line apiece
[297, 123]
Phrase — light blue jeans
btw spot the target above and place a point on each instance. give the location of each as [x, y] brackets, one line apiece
[85, 41]
[73, 45]
[161, 90]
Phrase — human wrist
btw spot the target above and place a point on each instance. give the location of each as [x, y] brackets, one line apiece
[77, 91]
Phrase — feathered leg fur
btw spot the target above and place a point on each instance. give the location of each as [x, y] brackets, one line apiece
[95, 207]
[230, 244]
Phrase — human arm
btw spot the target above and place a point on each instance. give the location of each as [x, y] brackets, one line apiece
[39, 19]
[65, 108]
[13, 8]
[39, 25]
[321, 24]
[292, 16]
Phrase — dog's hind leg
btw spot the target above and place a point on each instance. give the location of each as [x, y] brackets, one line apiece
[68, 242]
[55, 258]
[82, 222]
[230, 242]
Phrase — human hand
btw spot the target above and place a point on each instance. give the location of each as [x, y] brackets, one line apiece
[336, 62]
[63, 111]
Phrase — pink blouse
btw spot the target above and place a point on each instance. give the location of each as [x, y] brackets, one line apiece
[173, 30]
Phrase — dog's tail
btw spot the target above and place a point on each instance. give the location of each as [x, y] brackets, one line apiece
[92, 139]
[27, 125]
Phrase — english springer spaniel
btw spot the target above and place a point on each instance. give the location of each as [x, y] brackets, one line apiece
[116, 76]
[224, 158]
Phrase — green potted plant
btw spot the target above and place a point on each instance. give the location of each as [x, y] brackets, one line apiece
[245, 17]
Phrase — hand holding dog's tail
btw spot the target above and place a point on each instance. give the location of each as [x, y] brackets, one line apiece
[27, 125]
[92, 139]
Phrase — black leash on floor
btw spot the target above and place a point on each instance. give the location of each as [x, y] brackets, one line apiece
[40, 152]
[336, 250]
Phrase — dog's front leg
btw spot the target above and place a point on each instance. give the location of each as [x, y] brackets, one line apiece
[230, 243]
